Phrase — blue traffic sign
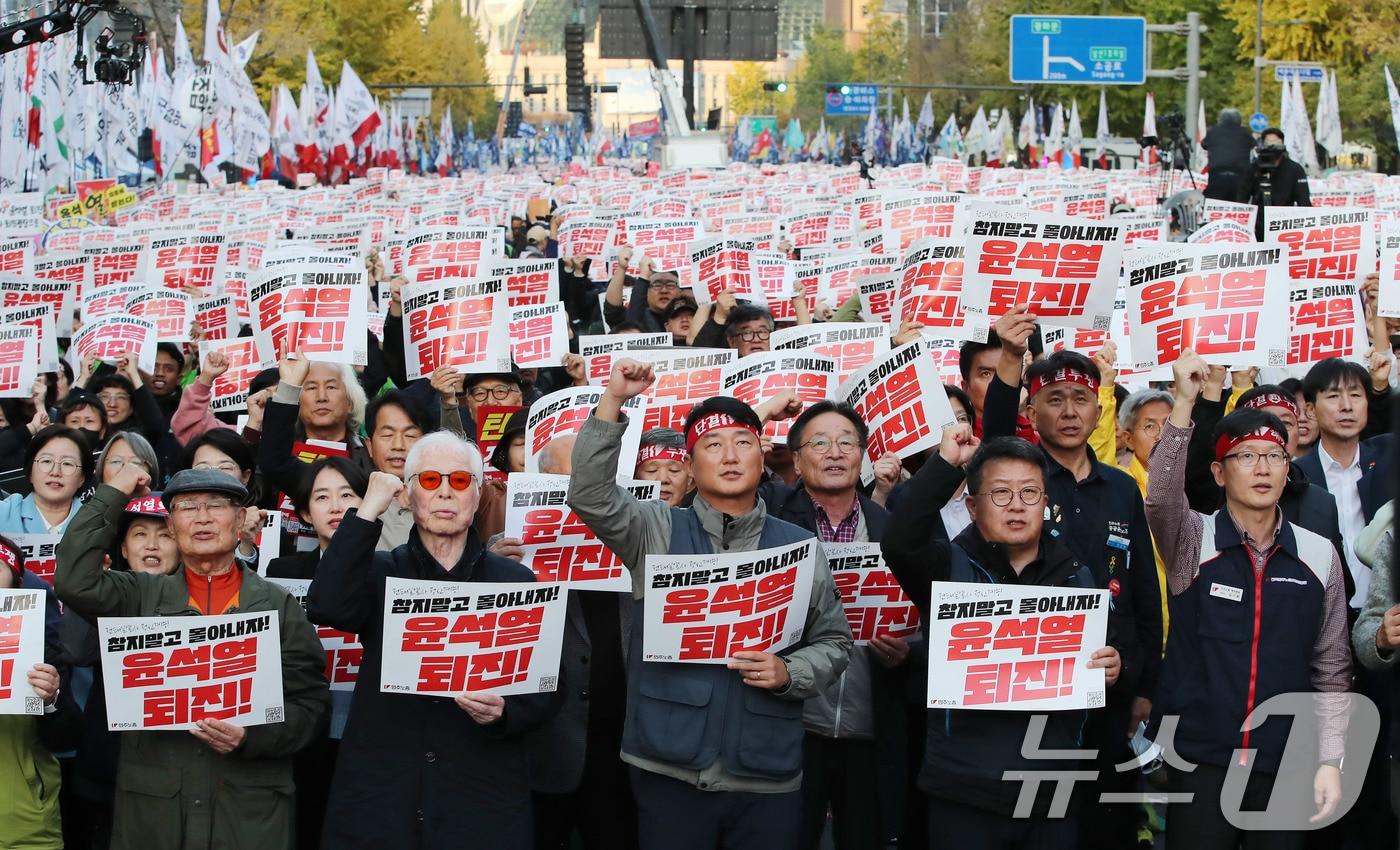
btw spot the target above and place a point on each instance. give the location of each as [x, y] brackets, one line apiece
[1084, 49]
[852, 99]
[1258, 122]
[1301, 73]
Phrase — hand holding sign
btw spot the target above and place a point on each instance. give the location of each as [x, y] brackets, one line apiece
[761, 670]
[1108, 659]
[219, 735]
[485, 709]
[1015, 329]
[43, 678]
[292, 369]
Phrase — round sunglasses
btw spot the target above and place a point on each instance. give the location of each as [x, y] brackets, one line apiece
[430, 480]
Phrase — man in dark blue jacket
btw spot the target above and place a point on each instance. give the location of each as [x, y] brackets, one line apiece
[417, 771]
[968, 753]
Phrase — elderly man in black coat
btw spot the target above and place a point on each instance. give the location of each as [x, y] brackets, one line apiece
[419, 771]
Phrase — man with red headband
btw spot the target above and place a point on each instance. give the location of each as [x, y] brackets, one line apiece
[715, 750]
[1258, 610]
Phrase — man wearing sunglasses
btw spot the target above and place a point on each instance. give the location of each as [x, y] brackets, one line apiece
[1258, 610]
[968, 753]
[419, 771]
[715, 751]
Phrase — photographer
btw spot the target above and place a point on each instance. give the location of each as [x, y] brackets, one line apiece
[1275, 180]
[1229, 146]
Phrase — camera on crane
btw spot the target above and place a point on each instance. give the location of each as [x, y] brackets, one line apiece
[118, 49]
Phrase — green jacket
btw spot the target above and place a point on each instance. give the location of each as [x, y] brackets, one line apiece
[172, 790]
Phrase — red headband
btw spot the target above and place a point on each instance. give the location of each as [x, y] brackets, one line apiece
[11, 560]
[1227, 444]
[1273, 399]
[656, 451]
[147, 506]
[712, 422]
[1061, 375]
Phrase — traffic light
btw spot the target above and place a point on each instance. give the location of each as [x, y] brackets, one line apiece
[575, 75]
[777, 86]
[514, 115]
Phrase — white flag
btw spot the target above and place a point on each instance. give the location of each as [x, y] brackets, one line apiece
[1101, 134]
[1394, 98]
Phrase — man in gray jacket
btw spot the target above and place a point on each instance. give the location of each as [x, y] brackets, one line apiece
[715, 751]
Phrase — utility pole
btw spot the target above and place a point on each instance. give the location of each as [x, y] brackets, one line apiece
[1258, 53]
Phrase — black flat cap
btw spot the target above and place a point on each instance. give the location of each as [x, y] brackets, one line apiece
[204, 481]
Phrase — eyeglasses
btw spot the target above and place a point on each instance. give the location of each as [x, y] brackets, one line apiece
[113, 398]
[119, 462]
[750, 336]
[218, 504]
[500, 392]
[226, 467]
[430, 480]
[664, 284]
[821, 445]
[65, 466]
[1248, 460]
[1001, 496]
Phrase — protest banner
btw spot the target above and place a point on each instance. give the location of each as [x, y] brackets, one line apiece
[558, 546]
[14, 253]
[19, 361]
[269, 540]
[40, 555]
[455, 323]
[491, 422]
[170, 672]
[111, 337]
[217, 318]
[28, 291]
[720, 264]
[1221, 231]
[586, 237]
[109, 301]
[666, 243]
[930, 288]
[1388, 300]
[445, 638]
[704, 608]
[901, 399]
[531, 281]
[599, 351]
[1324, 242]
[21, 647]
[344, 652]
[1064, 270]
[764, 375]
[917, 217]
[853, 345]
[230, 390]
[1140, 227]
[684, 378]
[761, 228]
[311, 309]
[449, 253]
[1015, 647]
[817, 227]
[1228, 302]
[1213, 210]
[39, 316]
[563, 412]
[21, 212]
[1325, 319]
[875, 604]
[877, 294]
[116, 263]
[184, 261]
[780, 280]
[171, 310]
[538, 335]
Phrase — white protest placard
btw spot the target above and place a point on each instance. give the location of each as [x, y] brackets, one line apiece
[764, 375]
[230, 390]
[26, 291]
[599, 350]
[901, 399]
[915, 217]
[1015, 647]
[21, 647]
[171, 310]
[1325, 319]
[109, 300]
[684, 378]
[1388, 302]
[111, 337]
[217, 318]
[853, 345]
[1064, 270]
[14, 253]
[21, 212]
[115, 263]
[1213, 210]
[41, 318]
[40, 553]
[558, 546]
[665, 242]
[188, 260]
[875, 604]
[724, 263]
[1221, 231]
[586, 237]
[19, 360]
[313, 309]
[455, 323]
[563, 412]
[531, 281]
[344, 652]
[539, 335]
[450, 253]
[444, 638]
[1228, 302]
[807, 228]
[704, 608]
[930, 289]
[169, 672]
[269, 540]
[1323, 242]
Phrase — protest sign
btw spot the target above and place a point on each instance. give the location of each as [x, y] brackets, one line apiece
[666, 243]
[764, 375]
[1228, 302]
[817, 227]
[528, 281]
[1388, 301]
[21, 212]
[853, 345]
[1221, 231]
[919, 217]
[877, 294]
[269, 540]
[445, 638]
[14, 253]
[217, 318]
[930, 288]
[558, 546]
[599, 351]
[1015, 647]
[1213, 210]
[21, 647]
[902, 400]
[170, 672]
[778, 278]
[705, 608]
[1324, 242]
[185, 261]
[1064, 270]
[230, 390]
[40, 553]
[1325, 319]
[19, 361]
[684, 378]
[721, 264]
[39, 316]
[111, 337]
[875, 604]
[448, 253]
[491, 422]
[563, 412]
[538, 335]
[455, 323]
[311, 309]
[116, 263]
[343, 649]
[586, 237]
[170, 310]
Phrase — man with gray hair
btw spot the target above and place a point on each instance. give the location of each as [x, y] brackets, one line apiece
[1229, 145]
[419, 771]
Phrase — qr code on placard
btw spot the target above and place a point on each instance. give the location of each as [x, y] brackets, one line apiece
[1095, 700]
[1278, 357]
[272, 715]
[33, 705]
[1103, 323]
[548, 683]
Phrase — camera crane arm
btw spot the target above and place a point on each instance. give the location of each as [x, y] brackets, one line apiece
[70, 15]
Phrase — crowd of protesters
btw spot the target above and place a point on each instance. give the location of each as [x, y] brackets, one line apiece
[1242, 528]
